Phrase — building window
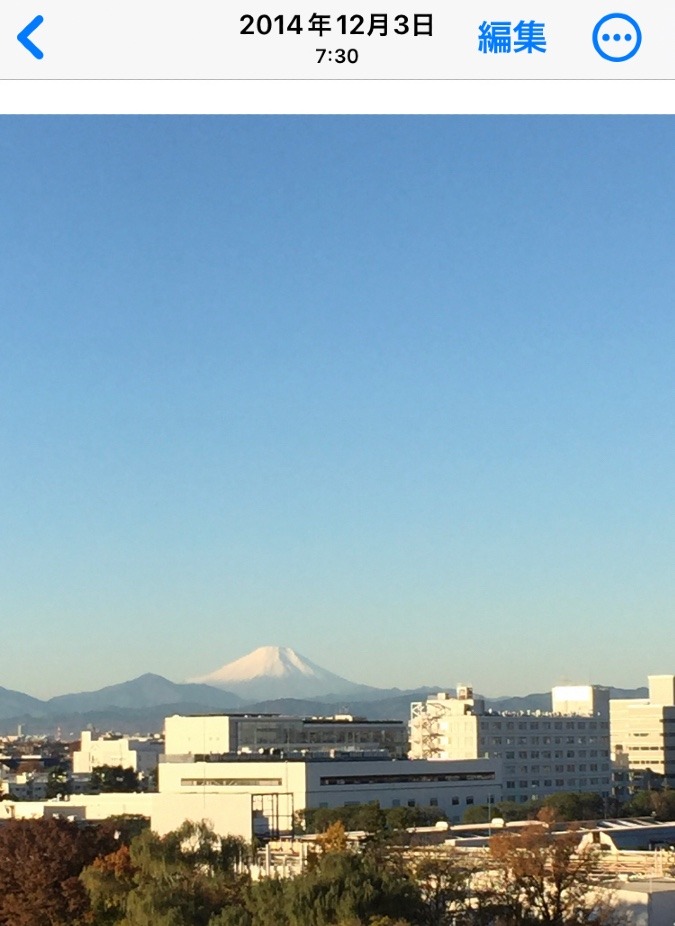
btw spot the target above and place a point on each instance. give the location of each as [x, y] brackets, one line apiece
[433, 802]
[469, 800]
[411, 803]
[230, 782]
[455, 801]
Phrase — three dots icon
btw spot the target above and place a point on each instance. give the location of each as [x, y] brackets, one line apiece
[617, 37]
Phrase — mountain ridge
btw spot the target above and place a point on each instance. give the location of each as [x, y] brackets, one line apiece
[299, 687]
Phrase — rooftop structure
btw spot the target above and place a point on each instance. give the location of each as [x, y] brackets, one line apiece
[233, 734]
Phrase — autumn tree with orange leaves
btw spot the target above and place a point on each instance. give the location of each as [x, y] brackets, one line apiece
[40, 864]
[544, 877]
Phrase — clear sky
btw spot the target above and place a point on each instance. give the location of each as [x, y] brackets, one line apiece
[396, 392]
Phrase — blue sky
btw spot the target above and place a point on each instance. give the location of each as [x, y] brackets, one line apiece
[397, 392]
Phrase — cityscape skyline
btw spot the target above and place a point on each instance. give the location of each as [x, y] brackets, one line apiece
[394, 390]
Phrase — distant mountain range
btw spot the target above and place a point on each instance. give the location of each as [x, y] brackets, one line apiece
[271, 679]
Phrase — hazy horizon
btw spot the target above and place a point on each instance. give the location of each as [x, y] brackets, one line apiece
[394, 391]
[444, 686]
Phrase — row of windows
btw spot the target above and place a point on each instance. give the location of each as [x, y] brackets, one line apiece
[548, 783]
[540, 740]
[411, 803]
[230, 782]
[570, 767]
[585, 724]
[420, 778]
[549, 754]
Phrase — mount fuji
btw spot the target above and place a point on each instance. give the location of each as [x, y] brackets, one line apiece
[272, 672]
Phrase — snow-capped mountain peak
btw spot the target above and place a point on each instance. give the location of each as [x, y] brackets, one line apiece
[277, 672]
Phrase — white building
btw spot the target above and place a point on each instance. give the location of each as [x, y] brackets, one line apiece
[231, 734]
[80, 807]
[542, 753]
[246, 794]
[141, 754]
[25, 786]
[261, 794]
[643, 731]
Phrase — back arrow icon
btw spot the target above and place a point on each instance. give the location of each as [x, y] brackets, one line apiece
[28, 30]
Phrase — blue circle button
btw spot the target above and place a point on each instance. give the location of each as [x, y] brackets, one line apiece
[616, 42]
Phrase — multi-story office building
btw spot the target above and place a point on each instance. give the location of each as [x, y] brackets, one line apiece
[542, 753]
[227, 734]
[643, 733]
[260, 794]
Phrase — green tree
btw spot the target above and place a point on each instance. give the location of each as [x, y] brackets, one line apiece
[109, 880]
[445, 885]
[108, 778]
[640, 804]
[58, 781]
[349, 885]
[575, 805]
[479, 814]
[663, 803]
[182, 879]
[368, 817]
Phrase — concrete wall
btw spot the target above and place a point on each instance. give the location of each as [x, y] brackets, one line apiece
[646, 903]
[81, 807]
[662, 690]
[227, 814]
[198, 735]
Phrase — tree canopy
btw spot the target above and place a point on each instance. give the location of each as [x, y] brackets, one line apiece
[40, 864]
